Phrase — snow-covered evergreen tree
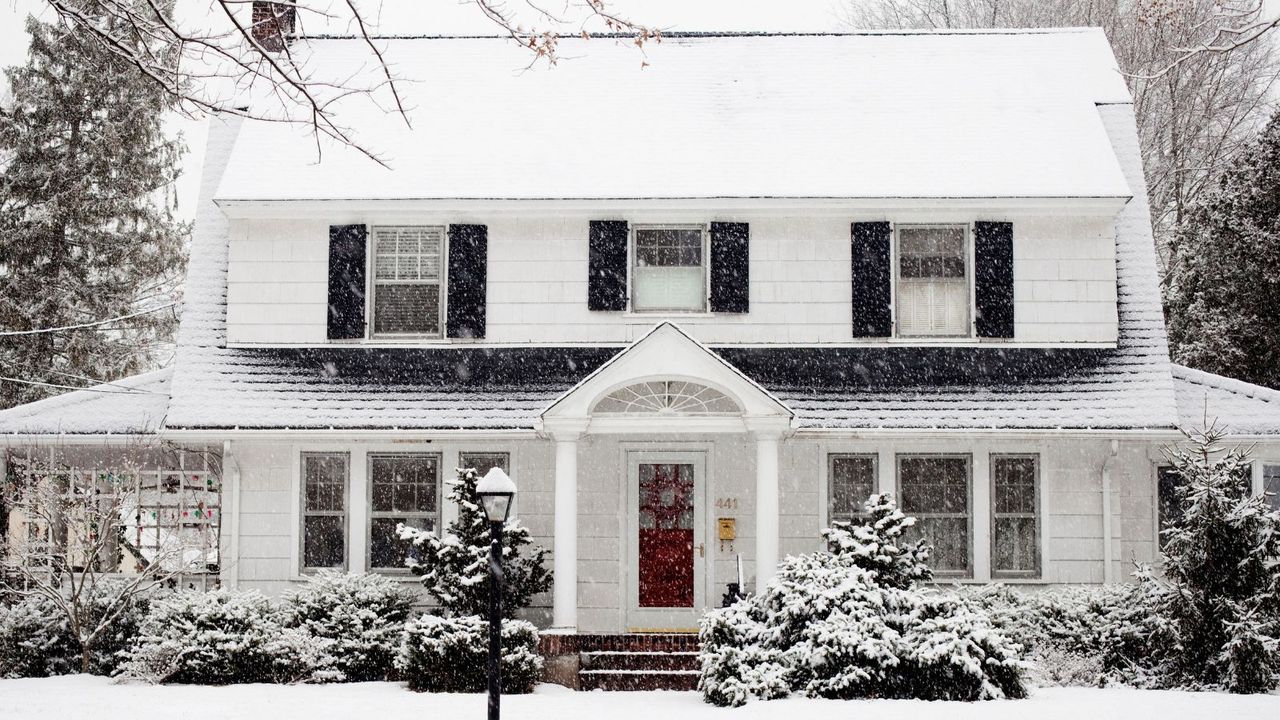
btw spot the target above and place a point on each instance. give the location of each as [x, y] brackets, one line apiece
[1213, 619]
[455, 564]
[86, 230]
[877, 544]
[1224, 270]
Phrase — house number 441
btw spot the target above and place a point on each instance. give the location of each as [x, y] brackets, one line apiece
[727, 503]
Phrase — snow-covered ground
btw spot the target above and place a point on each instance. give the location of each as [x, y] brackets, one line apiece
[82, 696]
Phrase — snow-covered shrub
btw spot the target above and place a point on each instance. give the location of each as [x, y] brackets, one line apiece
[455, 565]
[448, 654]
[851, 623]
[35, 640]
[223, 637]
[361, 616]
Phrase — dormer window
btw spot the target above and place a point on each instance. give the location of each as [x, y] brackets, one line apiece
[406, 280]
[668, 272]
[933, 281]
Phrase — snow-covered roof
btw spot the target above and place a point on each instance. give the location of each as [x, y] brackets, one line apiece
[970, 114]
[853, 388]
[1240, 408]
[134, 405]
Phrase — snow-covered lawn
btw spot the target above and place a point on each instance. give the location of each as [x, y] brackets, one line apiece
[94, 698]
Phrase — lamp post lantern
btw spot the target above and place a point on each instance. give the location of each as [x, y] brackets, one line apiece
[496, 491]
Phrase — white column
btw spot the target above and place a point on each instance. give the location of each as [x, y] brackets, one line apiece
[767, 442]
[229, 533]
[564, 608]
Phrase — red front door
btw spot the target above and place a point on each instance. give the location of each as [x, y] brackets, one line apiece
[666, 514]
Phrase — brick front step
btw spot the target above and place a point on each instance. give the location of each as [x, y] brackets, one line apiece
[626, 661]
[619, 660]
[636, 680]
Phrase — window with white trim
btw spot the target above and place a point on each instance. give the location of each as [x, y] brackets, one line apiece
[1015, 520]
[404, 488]
[851, 479]
[483, 462]
[1271, 485]
[668, 270]
[325, 482]
[933, 281]
[935, 489]
[407, 280]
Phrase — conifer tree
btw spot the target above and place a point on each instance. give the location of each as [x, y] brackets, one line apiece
[455, 564]
[1224, 270]
[1215, 615]
[86, 230]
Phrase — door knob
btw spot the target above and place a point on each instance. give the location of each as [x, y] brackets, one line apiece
[702, 550]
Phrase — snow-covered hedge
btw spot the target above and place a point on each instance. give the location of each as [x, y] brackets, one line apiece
[849, 622]
[448, 654]
[223, 637]
[361, 615]
[36, 638]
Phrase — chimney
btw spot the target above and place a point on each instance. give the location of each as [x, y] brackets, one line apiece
[273, 24]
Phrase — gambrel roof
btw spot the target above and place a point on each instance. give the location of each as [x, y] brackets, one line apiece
[986, 114]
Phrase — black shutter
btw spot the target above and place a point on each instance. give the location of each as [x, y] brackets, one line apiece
[607, 265]
[730, 267]
[872, 313]
[346, 281]
[468, 258]
[993, 278]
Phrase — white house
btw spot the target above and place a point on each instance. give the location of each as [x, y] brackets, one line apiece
[698, 308]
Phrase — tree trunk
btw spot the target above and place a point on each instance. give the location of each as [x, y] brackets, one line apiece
[85, 656]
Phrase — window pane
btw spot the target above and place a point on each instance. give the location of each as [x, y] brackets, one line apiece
[852, 482]
[933, 292]
[669, 247]
[484, 462]
[1271, 485]
[668, 288]
[324, 541]
[386, 549]
[936, 491]
[1015, 548]
[325, 483]
[407, 309]
[1169, 503]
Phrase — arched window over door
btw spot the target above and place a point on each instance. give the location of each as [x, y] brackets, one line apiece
[668, 397]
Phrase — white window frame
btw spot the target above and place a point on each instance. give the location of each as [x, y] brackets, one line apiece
[896, 280]
[304, 513]
[831, 479]
[705, 231]
[1261, 466]
[371, 514]
[996, 573]
[972, 541]
[371, 284]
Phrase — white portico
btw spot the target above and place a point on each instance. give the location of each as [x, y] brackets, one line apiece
[666, 385]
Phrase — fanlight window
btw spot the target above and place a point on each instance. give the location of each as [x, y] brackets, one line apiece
[669, 398]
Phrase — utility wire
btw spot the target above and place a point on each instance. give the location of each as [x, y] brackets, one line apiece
[11, 333]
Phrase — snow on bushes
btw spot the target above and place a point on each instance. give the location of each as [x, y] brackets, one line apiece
[849, 622]
[362, 615]
[36, 638]
[222, 637]
[448, 655]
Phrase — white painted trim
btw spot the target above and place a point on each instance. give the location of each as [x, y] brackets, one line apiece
[230, 565]
[632, 319]
[676, 209]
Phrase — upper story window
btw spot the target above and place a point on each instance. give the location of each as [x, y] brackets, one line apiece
[933, 281]
[407, 276]
[668, 270]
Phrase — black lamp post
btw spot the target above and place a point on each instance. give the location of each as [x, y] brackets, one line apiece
[495, 490]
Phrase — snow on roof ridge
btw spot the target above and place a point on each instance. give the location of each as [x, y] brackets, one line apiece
[701, 34]
[1224, 383]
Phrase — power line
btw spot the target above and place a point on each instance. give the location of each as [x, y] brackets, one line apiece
[135, 391]
[10, 333]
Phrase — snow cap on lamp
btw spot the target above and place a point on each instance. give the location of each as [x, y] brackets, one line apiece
[496, 490]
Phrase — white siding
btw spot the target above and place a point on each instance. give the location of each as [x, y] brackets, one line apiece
[1064, 269]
